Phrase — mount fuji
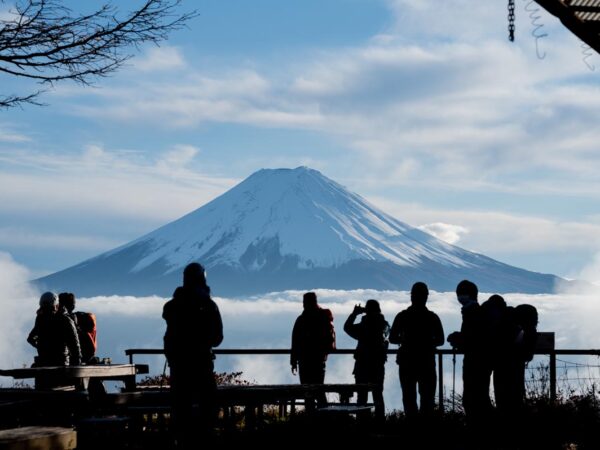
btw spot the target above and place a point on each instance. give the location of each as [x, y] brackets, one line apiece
[283, 229]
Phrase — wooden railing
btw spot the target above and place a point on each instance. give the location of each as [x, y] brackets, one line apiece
[551, 353]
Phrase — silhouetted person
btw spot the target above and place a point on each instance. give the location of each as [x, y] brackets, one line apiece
[54, 335]
[476, 362]
[501, 332]
[84, 322]
[313, 337]
[55, 338]
[526, 319]
[194, 327]
[511, 333]
[371, 351]
[418, 331]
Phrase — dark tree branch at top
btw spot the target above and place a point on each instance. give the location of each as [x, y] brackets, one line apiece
[44, 41]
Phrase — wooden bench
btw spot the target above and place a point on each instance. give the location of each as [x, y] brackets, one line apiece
[145, 418]
[103, 432]
[36, 438]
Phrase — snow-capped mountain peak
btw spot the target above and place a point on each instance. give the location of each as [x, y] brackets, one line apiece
[298, 212]
[291, 228]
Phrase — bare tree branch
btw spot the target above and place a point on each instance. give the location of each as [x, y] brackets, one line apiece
[43, 40]
[13, 100]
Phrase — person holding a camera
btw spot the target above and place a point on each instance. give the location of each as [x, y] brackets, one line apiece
[371, 351]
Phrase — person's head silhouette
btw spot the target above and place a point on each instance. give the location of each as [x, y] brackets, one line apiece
[309, 301]
[466, 292]
[419, 294]
[194, 275]
[67, 301]
[496, 301]
[527, 315]
[372, 307]
[48, 302]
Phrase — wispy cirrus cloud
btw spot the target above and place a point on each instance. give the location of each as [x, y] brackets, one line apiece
[125, 183]
[511, 232]
[48, 239]
[480, 111]
[163, 58]
[239, 96]
[7, 136]
[506, 236]
[11, 134]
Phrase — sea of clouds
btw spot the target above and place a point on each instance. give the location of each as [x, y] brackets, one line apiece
[266, 321]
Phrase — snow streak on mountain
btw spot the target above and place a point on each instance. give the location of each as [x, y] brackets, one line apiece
[290, 229]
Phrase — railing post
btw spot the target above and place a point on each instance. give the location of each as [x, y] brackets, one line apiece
[552, 376]
[441, 381]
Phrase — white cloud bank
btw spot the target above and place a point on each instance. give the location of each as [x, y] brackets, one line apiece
[592, 271]
[18, 303]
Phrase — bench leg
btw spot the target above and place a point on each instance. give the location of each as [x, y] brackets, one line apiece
[250, 416]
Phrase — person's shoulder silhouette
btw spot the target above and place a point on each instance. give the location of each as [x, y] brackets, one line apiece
[314, 331]
[417, 327]
[194, 323]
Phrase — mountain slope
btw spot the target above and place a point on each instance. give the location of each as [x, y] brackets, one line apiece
[290, 229]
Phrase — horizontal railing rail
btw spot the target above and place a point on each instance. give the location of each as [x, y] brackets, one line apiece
[345, 351]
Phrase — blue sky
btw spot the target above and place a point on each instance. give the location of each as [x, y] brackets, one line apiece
[424, 108]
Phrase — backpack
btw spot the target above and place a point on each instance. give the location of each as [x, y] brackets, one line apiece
[526, 317]
[86, 329]
[329, 330]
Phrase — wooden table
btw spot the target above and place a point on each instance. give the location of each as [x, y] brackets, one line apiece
[276, 393]
[257, 394]
[122, 372]
[253, 398]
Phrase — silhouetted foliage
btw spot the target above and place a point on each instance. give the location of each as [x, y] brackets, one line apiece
[231, 378]
[222, 378]
[45, 41]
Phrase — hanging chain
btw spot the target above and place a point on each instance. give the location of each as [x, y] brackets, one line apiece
[511, 20]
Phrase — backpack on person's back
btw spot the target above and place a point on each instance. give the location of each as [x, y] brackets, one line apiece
[86, 329]
[329, 330]
[316, 332]
[526, 316]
